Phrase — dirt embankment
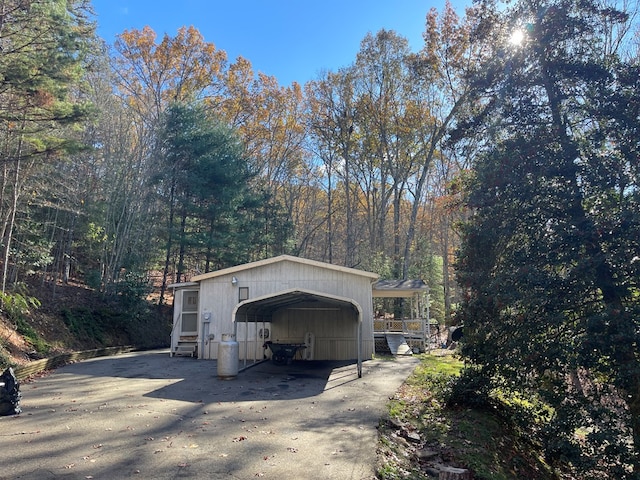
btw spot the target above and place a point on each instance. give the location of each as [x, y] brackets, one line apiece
[74, 318]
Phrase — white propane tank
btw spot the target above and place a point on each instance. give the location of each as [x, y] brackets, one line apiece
[228, 357]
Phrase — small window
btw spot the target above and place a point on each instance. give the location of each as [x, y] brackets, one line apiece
[243, 294]
[190, 301]
[189, 322]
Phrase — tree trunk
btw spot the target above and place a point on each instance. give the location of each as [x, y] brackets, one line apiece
[329, 217]
[169, 246]
[350, 241]
[9, 233]
[445, 271]
[398, 264]
[183, 240]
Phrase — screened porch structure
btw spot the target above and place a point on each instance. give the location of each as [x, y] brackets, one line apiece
[408, 334]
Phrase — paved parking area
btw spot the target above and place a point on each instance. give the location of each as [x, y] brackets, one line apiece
[148, 415]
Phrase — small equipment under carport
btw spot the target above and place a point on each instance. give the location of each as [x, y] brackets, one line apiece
[283, 353]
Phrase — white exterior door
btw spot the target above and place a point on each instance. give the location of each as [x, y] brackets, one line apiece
[189, 314]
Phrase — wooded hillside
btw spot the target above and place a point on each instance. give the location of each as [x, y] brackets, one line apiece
[509, 145]
[102, 183]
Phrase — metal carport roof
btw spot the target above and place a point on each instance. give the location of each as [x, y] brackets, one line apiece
[261, 309]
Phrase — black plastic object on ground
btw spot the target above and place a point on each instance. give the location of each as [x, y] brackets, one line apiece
[9, 393]
[457, 333]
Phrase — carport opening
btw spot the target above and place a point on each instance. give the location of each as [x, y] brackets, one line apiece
[300, 325]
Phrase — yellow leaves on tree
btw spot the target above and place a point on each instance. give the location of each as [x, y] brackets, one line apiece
[178, 69]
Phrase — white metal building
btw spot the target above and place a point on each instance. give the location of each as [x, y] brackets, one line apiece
[284, 300]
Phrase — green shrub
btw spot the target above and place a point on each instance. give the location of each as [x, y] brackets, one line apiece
[17, 306]
[93, 278]
[84, 324]
[471, 389]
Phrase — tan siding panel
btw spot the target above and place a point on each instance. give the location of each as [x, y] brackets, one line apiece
[335, 331]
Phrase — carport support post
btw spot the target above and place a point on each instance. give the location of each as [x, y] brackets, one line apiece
[359, 345]
[235, 337]
[246, 338]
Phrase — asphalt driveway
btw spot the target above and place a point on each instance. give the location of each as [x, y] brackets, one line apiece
[147, 415]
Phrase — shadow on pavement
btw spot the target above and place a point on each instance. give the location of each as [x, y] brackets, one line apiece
[192, 380]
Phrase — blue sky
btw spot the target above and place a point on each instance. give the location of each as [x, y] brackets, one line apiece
[293, 40]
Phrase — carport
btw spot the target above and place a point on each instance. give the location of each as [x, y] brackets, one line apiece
[262, 316]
